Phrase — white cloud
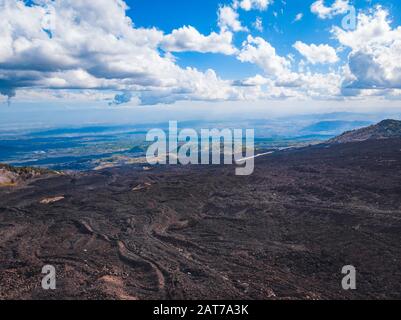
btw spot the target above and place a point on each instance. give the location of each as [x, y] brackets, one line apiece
[373, 29]
[375, 58]
[228, 19]
[67, 45]
[188, 38]
[259, 51]
[321, 85]
[281, 80]
[257, 80]
[323, 12]
[316, 54]
[248, 5]
[299, 17]
[228, 16]
[258, 24]
[94, 45]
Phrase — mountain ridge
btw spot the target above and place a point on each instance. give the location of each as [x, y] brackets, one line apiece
[385, 129]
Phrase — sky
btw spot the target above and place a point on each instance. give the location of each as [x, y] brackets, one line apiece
[187, 55]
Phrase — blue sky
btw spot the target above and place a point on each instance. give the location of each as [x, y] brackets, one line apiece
[281, 30]
[115, 54]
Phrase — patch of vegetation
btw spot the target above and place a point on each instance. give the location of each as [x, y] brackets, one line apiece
[25, 172]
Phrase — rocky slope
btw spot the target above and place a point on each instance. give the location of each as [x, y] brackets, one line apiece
[201, 232]
[12, 176]
[383, 130]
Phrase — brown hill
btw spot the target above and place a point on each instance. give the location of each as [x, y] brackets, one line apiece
[11, 176]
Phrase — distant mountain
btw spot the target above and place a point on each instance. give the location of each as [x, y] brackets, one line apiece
[334, 127]
[383, 130]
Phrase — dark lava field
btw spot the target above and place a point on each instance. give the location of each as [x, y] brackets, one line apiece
[201, 232]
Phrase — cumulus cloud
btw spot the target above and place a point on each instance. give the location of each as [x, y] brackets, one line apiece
[228, 16]
[259, 51]
[248, 5]
[87, 46]
[375, 58]
[316, 54]
[280, 79]
[228, 19]
[257, 80]
[188, 38]
[327, 12]
[94, 45]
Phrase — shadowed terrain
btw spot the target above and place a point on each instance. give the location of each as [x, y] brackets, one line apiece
[201, 232]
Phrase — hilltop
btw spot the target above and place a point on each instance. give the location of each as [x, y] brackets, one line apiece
[385, 129]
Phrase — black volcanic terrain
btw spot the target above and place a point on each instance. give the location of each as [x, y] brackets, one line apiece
[201, 232]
